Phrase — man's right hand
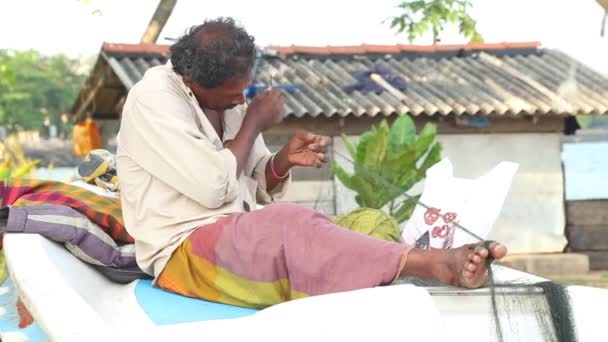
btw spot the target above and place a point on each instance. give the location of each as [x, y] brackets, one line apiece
[265, 110]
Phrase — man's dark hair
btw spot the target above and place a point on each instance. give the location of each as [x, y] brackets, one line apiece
[214, 52]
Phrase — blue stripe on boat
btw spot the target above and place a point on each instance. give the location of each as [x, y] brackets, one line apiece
[163, 307]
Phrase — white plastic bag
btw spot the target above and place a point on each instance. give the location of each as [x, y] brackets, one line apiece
[473, 203]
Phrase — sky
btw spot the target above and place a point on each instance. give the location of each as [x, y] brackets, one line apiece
[67, 26]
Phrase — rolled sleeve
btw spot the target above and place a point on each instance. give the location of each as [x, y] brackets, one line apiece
[160, 134]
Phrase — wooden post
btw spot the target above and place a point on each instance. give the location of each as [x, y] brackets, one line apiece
[604, 4]
[158, 21]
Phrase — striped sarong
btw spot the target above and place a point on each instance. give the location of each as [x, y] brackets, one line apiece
[283, 252]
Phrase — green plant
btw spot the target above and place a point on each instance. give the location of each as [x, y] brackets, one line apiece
[420, 16]
[392, 154]
[14, 163]
[34, 86]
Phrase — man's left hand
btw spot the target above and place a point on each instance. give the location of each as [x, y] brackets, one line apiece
[307, 149]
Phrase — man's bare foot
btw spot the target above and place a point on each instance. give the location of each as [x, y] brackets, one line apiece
[464, 266]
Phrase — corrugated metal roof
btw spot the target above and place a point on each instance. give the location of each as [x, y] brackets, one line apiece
[476, 79]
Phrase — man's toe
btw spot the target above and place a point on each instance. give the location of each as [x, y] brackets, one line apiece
[481, 251]
[498, 251]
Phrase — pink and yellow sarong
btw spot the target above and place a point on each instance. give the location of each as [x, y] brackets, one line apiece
[279, 253]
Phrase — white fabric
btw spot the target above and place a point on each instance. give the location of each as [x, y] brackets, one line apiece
[532, 219]
[472, 203]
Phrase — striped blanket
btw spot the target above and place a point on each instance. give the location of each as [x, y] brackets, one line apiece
[101, 210]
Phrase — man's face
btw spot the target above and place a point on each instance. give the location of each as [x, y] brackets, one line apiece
[226, 96]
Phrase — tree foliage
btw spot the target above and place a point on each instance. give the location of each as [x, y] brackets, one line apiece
[421, 16]
[394, 155]
[34, 86]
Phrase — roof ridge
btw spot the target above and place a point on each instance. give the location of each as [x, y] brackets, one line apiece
[135, 48]
[398, 48]
[339, 49]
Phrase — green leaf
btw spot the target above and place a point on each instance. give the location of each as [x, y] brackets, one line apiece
[342, 175]
[364, 140]
[398, 21]
[410, 32]
[379, 179]
[394, 169]
[402, 136]
[408, 179]
[406, 209]
[376, 148]
[452, 17]
[423, 16]
[368, 197]
[416, 6]
[432, 158]
[360, 202]
[477, 38]
[350, 147]
[425, 139]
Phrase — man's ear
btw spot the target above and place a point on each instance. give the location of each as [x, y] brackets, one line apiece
[187, 80]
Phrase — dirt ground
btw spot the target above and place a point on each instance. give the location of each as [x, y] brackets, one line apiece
[594, 279]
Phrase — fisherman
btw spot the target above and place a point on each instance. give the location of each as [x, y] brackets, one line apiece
[192, 164]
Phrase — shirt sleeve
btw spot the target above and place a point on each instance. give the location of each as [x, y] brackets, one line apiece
[162, 137]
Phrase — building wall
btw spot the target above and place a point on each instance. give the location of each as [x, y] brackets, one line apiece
[585, 168]
[108, 130]
[532, 219]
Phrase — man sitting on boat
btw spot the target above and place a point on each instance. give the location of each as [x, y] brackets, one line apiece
[192, 164]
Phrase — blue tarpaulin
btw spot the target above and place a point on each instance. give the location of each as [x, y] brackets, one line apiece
[365, 84]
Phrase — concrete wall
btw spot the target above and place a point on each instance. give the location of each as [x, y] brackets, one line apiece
[532, 219]
[318, 195]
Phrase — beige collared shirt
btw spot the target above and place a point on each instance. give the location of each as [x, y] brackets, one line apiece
[174, 172]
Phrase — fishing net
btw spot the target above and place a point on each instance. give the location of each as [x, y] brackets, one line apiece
[518, 310]
[548, 300]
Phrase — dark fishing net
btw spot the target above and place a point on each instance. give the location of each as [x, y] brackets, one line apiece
[512, 303]
[520, 310]
[548, 300]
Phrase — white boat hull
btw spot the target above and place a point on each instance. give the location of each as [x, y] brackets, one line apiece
[71, 301]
